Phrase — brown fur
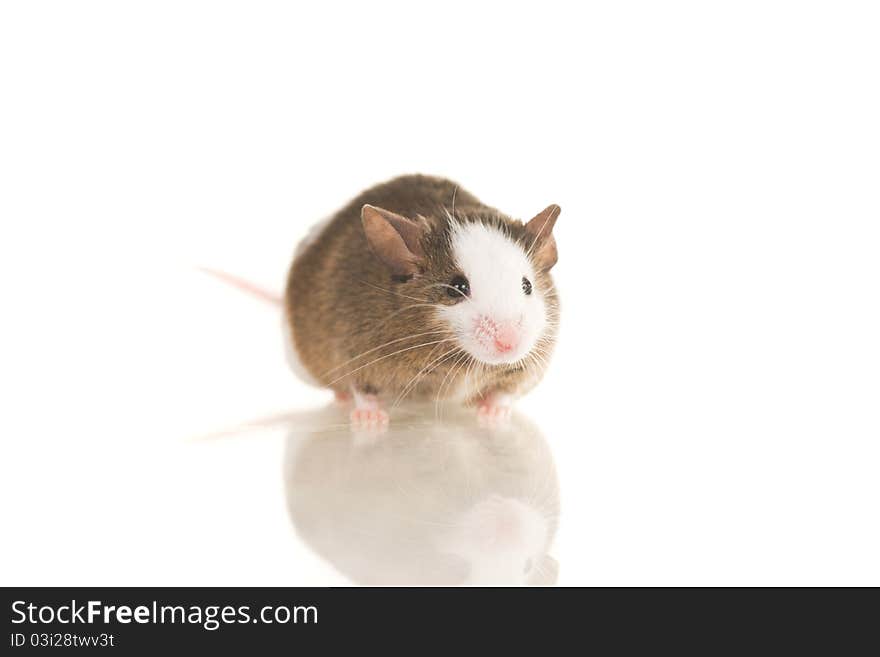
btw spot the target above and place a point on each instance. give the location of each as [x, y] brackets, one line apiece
[343, 303]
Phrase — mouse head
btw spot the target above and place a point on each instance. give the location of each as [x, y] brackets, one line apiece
[486, 276]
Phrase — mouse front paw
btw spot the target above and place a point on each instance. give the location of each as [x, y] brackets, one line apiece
[368, 418]
[494, 410]
[367, 415]
[342, 396]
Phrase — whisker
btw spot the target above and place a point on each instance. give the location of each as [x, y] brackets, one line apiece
[369, 351]
[395, 293]
[420, 374]
[455, 366]
[467, 363]
[400, 310]
[399, 351]
[469, 368]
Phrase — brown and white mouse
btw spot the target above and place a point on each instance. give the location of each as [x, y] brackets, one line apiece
[417, 290]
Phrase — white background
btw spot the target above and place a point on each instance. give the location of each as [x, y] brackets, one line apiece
[712, 408]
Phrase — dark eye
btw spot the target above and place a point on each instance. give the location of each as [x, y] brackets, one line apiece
[527, 286]
[459, 287]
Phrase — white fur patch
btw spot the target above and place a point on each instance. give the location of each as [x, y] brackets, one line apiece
[494, 265]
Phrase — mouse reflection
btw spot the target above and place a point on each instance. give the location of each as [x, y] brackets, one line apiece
[445, 502]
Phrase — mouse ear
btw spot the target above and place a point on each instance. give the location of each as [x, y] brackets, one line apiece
[394, 239]
[539, 230]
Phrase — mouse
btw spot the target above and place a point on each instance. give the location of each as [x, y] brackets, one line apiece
[417, 290]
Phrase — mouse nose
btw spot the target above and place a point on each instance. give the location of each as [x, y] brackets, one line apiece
[506, 339]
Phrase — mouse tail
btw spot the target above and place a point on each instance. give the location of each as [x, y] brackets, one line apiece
[244, 286]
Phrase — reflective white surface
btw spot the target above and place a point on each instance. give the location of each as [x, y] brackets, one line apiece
[426, 502]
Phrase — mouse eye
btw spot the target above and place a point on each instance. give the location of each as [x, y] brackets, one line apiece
[527, 286]
[459, 287]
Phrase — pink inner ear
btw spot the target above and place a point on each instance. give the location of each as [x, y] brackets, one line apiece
[545, 254]
[389, 237]
[410, 231]
[540, 231]
[541, 225]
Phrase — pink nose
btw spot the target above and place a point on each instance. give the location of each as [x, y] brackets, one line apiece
[506, 339]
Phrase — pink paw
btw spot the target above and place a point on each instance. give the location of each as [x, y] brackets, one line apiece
[493, 411]
[342, 396]
[369, 419]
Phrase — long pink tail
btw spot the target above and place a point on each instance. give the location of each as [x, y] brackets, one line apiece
[244, 286]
